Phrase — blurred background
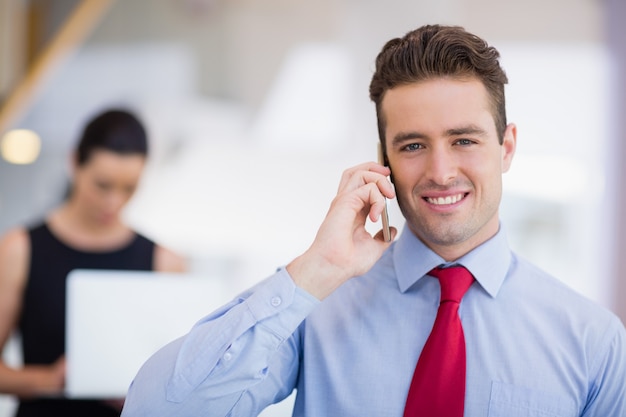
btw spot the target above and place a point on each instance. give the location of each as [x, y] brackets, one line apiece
[255, 107]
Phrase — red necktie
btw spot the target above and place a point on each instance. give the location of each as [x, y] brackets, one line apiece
[438, 385]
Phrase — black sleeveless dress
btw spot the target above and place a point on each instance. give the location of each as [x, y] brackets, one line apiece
[42, 320]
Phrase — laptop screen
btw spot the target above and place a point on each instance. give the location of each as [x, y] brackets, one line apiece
[115, 320]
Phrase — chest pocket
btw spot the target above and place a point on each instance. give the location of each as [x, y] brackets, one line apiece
[513, 401]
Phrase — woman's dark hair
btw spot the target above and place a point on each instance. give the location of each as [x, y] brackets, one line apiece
[115, 130]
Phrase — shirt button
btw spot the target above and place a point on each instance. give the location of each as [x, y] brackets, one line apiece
[276, 301]
[228, 356]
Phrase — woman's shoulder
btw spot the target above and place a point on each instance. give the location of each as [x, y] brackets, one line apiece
[14, 254]
[14, 240]
[167, 260]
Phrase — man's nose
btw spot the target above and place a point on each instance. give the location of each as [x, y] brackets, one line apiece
[441, 166]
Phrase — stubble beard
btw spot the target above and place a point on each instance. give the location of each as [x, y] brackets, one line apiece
[445, 229]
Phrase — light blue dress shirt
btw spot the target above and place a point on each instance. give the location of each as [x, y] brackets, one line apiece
[534, 347]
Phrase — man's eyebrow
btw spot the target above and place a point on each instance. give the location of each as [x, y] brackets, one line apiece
[405, 136]
[466, 130]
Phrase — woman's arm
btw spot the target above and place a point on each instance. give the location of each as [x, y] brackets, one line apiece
[29, 380]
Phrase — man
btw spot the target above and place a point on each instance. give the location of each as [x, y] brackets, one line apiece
[346, 322]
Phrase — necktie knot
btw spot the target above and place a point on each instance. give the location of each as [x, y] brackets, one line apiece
[454, 281]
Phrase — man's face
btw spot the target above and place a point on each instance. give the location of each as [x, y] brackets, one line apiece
[446, 162]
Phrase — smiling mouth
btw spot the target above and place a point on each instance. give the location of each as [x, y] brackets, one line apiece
[442, 201]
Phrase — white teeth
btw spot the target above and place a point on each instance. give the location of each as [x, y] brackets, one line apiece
[451, 199]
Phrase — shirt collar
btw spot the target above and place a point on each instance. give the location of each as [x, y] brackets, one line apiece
[488, 263]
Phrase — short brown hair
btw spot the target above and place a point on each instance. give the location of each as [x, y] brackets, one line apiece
[435, 51]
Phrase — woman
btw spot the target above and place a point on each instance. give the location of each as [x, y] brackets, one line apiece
[85, 231]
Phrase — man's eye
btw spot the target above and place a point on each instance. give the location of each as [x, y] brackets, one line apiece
[464, 142]
[413, 147]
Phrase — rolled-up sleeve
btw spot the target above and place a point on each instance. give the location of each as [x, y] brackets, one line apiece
[246, 349]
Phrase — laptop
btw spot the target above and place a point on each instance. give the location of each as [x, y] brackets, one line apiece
[115, 320]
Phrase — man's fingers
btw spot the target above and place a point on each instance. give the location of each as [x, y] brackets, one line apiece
[359, 176]
[377, 202]
[367, 199]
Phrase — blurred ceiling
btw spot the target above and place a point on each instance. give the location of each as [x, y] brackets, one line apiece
[240, 44]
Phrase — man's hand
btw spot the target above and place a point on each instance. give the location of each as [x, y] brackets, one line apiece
[343, 248]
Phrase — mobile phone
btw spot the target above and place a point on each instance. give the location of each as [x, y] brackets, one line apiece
[385, 214]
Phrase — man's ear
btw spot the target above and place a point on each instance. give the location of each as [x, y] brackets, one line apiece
[509, 144]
